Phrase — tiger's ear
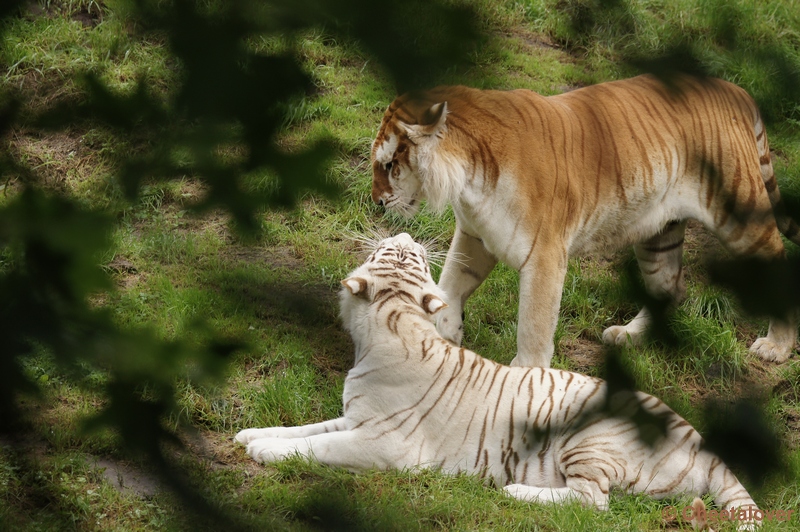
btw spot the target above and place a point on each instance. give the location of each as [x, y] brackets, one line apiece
[431, 123]
[356, 285]
[432, 304]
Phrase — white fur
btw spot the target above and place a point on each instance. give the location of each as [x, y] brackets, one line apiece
[443, 175]
[385, 151]
[414, 400]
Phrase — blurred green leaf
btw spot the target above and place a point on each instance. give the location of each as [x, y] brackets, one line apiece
[740, 435]
[764, 288]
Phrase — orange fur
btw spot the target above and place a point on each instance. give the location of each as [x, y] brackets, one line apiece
[535, 180]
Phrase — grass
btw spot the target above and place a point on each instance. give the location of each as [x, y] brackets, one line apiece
[276, 293]
[739, 40]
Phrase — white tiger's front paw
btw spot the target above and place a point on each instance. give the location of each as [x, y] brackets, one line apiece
[247, 435]
[450, 324]
[267, 450]
[770, 351]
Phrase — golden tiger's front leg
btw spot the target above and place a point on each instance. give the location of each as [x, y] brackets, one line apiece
[467, 265]
[541, 282]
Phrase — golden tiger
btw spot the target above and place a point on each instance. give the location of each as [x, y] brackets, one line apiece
[536, 180]
[413, 399]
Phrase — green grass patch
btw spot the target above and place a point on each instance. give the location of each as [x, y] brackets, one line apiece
[179, 274]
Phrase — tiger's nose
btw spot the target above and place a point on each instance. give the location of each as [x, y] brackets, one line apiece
[377, 196]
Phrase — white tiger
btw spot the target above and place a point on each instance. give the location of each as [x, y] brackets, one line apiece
[413, 399]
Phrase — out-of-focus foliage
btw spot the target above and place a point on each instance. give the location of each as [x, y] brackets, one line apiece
[717, 38]
[756, 44]
[231, 96]
[219, 124]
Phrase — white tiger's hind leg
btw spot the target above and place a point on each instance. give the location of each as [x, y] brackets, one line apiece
[334, 425]
[660, 260]
[590, 493]
[543, 495]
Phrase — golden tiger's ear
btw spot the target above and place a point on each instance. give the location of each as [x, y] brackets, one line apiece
[430, 123]
[432, 304]
[356, 285]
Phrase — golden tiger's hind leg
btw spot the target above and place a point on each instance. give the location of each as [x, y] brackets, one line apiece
[756, 235]
[661, 262]
[778, 345]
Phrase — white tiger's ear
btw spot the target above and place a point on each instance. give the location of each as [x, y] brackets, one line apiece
[356, 285]
[432, 304]
[431, 123]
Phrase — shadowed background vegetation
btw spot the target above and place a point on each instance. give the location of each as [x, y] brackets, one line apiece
[180, 184]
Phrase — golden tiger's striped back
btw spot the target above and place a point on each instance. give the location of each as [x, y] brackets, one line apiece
[535, 180]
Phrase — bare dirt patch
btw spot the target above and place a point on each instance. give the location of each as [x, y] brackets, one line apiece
[123, 476]
[124, 272]
[532, 39]
[279, 257]
[60, 159]
[127, 479]
[585, 355]
[220, 451]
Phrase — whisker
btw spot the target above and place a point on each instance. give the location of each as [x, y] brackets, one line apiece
[436, 258]
[457, 257]
[367, 240]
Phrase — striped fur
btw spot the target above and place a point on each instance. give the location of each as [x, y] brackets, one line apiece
[535, 180]
[413, 399]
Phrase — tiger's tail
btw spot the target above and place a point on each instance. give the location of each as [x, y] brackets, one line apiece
[786, 224]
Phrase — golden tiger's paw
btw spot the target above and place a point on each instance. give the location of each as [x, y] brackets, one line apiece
[450, 324]
[619, 335]
[770, 351]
